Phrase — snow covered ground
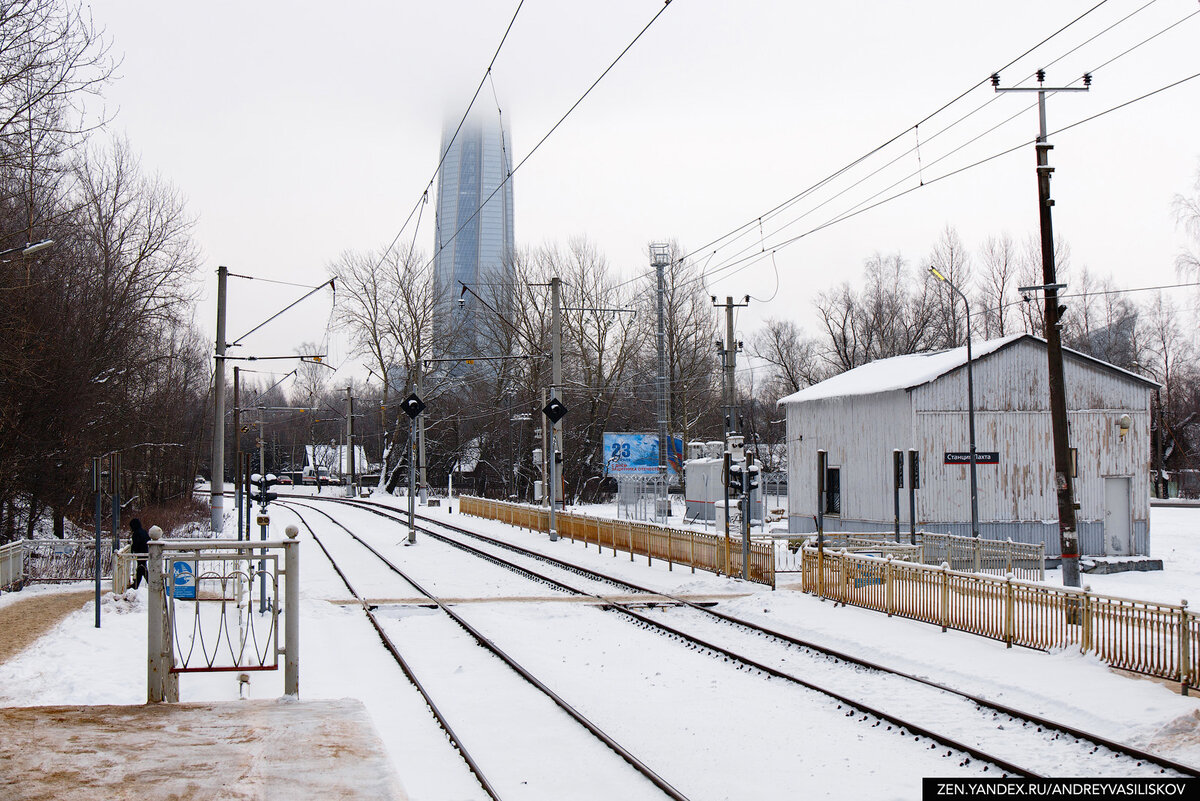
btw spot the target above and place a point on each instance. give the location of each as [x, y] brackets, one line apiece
[713, 731]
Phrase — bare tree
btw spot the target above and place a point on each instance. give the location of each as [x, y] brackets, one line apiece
[1029, 273]
[792, 357]
[952, 260]
[894, 314]
[1187, 214]
[998, 280]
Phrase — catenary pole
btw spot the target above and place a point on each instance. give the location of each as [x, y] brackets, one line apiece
[349, 441]
[660, 258]
[555, 383]
[218, 444]
[1064, 484]
[423, 476]
[237, 451]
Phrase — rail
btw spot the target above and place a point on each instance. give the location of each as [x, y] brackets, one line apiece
[694, 549]
[1155, 639]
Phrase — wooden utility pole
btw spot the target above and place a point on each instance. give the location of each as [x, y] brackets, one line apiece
[1064, 484]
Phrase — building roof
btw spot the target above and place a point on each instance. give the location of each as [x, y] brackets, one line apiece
[916, 369]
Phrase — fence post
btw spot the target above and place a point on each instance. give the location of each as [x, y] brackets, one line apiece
[1185, 651]
[945, 594]
[162, 684]
[670, 552]
[820, 571]
[978, 547]
[291, 612]
[692, 557]
[887, 582]
[629, 532]
[154, 625]
[1009, 610]
[1085, 625]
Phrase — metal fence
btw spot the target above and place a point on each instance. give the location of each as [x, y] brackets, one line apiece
[217, 628]
[967, 554]
[694, 549]
[788, 548]
[12, 564]
[64, 560]
[1155, 639]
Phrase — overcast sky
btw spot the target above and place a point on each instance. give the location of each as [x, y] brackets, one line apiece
[298, 130]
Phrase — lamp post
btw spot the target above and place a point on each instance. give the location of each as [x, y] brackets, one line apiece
[970, 405]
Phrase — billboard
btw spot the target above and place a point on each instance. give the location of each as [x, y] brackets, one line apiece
[637, 454]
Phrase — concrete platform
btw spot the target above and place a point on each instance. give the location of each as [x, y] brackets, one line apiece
[244, 750]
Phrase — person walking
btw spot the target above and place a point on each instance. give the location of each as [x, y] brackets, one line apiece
[139, 545]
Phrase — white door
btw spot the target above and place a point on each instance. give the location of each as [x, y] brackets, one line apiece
[1117, 523]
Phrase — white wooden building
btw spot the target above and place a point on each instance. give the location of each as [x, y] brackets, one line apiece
[920, 402]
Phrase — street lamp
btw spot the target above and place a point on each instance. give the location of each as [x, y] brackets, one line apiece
[970, 405]
[29, 249]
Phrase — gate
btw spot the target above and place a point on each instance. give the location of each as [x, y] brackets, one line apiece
[215, 627]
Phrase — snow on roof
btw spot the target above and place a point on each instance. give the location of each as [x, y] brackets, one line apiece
[915, 369]
[898, 372]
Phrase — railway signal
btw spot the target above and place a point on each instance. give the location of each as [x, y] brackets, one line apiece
[412, 406]
[555, 410]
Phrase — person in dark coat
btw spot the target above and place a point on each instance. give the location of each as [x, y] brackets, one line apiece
[139, 544]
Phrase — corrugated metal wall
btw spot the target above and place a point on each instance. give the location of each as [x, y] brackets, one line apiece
[1016, 497]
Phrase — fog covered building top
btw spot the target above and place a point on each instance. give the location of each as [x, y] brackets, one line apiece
[919, 401]
[474, 229]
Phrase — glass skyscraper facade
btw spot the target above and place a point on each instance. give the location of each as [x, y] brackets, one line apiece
[474, 240]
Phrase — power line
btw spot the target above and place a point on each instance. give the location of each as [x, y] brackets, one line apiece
[425, 194]
[745, 262]
[896, 137]
[740, 231]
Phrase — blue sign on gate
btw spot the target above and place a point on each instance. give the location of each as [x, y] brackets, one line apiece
[183, 582]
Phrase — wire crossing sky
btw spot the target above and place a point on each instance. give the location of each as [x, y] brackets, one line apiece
[782, 143]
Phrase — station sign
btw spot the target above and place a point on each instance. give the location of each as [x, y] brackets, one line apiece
[964, 457]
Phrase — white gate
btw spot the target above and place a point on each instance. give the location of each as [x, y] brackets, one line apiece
[215, 627]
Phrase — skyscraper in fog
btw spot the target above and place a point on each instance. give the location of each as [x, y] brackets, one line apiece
[474, 240]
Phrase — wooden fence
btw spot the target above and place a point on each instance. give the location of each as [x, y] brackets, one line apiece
[1155, 639]
[695, 549]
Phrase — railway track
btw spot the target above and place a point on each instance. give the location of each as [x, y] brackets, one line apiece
[456, 740]
[776, 653]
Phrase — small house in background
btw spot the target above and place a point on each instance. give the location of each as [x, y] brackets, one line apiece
[334, 461]
[920, 402]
